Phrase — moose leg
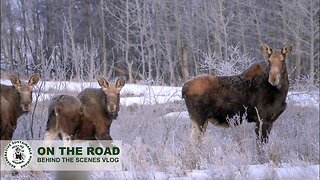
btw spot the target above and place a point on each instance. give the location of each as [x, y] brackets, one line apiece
[7, 135]
[199, 126]
[195, 132]
[49, 136]
[103, 132]
[263, 130]
[66, 139]
[7, 130]
[103, 136]
[280, 111]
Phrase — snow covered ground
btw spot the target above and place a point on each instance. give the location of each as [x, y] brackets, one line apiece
[144, 94]
[133, 94]
[262, 171]
[249, 172]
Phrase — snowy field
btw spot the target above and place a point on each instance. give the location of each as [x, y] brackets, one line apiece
[155, 126]
[254, 172]
[131, 94]
[143, 94]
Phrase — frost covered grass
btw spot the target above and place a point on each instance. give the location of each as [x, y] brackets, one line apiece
[156, 146]
[223, 153]
[155, 135]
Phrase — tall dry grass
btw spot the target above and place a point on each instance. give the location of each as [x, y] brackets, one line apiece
[155, 142]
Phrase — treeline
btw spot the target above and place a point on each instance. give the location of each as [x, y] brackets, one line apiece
[160, 41]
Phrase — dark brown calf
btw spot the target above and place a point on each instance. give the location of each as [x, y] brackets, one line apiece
[65, 117]
[262, 89]
[87, 117]
[101, 107]
[15, 101]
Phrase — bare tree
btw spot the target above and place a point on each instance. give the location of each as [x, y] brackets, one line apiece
[154, 40]
[103, 37]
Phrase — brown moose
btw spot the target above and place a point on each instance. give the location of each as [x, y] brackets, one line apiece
[15, 101]
[260, 92]
[87, 116]
[65, 116]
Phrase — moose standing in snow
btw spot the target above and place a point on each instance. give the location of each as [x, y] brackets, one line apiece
[260, 91]
[15, 101]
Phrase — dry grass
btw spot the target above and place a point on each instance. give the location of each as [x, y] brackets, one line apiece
[153, 142]
[157, 143]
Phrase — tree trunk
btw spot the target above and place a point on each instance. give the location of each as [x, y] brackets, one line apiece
[297, 74]
[243, 38]
[185, 64]
[128, 62]
[298, 58]
[312, 43]
[103, 36]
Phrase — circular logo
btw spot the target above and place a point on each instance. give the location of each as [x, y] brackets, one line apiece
[18, 154]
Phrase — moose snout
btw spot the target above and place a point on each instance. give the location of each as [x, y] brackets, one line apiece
[274, 78]
[274, 81]
[112, 108]
[26, 107]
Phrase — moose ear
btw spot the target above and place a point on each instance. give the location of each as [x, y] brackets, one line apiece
[120, 82]
[34, 79]
[103, 82]
[266, 49]
[15, 81]
[286, 49]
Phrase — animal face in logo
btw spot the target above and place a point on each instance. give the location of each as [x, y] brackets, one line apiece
[18, 154]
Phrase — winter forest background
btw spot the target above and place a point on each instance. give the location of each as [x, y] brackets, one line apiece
[158, 41]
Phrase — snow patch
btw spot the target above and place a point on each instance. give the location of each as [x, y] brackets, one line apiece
[304, 99]
[146, 95]
[183, 114]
